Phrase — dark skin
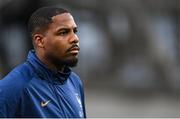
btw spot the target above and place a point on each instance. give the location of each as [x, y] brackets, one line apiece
[59, 43]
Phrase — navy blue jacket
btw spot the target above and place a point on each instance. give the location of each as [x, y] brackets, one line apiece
[33, 90]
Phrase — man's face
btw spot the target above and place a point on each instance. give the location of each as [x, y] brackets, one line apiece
[61, 41]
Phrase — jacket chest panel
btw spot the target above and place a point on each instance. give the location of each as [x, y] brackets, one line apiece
[48, 100]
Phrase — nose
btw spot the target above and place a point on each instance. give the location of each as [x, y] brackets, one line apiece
[74, 38]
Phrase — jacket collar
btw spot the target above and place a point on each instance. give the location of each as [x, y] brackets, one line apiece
[44, 72]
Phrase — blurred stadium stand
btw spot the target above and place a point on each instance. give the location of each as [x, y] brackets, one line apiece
[130, 52]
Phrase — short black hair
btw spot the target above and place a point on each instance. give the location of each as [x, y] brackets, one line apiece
[42, 17]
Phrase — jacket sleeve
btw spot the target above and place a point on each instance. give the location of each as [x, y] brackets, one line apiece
[3, 109]
[8, 103]
[9, 97]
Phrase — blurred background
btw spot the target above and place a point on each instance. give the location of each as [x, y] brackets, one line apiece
[130, 52]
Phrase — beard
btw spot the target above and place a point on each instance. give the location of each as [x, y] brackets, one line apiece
[68, 62]
[59, 63]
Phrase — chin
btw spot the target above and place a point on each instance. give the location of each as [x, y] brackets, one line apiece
[71, 62]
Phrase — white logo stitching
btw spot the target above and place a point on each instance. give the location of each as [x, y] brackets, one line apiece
[43, 104]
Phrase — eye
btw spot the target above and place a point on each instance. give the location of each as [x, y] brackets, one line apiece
[75, 30]
[64, 32]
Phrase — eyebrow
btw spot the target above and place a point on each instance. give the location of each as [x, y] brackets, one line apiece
[64, 28]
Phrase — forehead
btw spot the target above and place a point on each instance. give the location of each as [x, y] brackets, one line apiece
[64, 20]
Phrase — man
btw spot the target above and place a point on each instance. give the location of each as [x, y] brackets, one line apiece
[45, 86]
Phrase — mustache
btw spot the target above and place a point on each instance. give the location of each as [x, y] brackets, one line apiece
[73, 47]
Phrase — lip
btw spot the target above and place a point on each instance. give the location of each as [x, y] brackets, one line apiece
[74, 50]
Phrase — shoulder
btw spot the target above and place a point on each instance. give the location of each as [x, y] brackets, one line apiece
[16, 79]
[74, 75]
[11, 87]
[75, 79]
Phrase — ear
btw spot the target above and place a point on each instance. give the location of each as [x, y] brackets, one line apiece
[39, 40]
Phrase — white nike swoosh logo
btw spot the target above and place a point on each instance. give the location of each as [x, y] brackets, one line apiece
[43, 104]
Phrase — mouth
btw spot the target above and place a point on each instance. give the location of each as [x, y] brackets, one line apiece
[74, 50]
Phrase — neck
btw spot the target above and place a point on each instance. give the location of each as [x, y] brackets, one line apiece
[49, 64]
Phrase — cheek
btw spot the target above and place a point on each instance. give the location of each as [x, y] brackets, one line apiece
[59, 47]
[56, 46]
